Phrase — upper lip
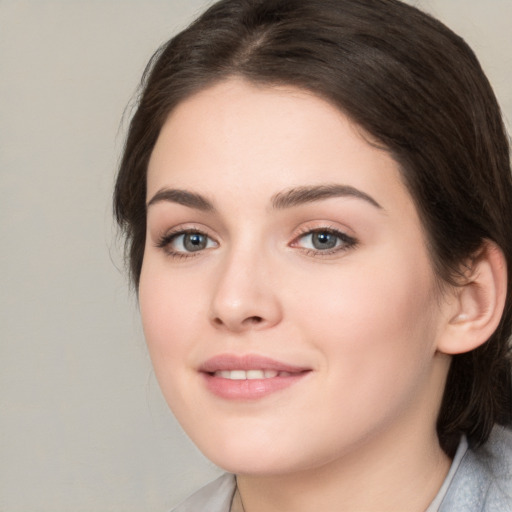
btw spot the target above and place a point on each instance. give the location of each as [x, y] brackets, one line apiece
[247, 362]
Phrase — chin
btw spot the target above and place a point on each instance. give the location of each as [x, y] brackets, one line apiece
[247, 456]
[262, 457]
[255, 466]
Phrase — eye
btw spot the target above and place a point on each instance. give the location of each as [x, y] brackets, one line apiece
[184, 243]
[324, 240]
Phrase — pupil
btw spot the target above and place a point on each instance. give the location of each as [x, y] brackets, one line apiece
[194, 242]
[324, 240]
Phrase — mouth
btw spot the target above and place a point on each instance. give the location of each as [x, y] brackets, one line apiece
[248, 377]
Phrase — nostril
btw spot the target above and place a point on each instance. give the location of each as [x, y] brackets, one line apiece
[254, 320]
[238, 323]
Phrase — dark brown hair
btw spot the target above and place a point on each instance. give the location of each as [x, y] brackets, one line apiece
[409, 82]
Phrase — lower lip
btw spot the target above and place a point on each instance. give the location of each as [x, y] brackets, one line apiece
[249, 389]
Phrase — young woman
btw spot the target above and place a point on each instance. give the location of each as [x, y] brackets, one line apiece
[317, 201]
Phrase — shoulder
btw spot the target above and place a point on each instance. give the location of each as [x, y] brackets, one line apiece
[483, 481]
[213, 497]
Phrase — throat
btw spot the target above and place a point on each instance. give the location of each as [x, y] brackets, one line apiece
[384, 487]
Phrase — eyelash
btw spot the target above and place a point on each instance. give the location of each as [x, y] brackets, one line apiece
[166, 240]
[344, 242]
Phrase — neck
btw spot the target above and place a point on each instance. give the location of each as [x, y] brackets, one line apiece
[369, 479]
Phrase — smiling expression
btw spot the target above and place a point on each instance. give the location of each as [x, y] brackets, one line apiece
[287, 295]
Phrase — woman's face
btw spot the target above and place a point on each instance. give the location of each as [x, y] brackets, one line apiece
[287, 296]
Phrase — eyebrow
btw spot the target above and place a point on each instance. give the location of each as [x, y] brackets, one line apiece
[282, 200]
[183, 197]
[308, 194]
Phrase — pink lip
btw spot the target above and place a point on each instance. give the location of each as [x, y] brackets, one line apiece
[247, 362]
[248, 389]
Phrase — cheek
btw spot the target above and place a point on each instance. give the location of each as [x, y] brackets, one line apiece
[169, 311]
[165, 312]
[374, 322]
[376, 346]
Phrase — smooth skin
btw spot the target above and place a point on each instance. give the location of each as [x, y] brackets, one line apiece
[240, 260]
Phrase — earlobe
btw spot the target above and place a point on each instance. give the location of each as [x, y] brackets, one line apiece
[478, 303]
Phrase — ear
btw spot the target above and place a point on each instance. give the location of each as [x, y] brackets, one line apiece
[475, 310]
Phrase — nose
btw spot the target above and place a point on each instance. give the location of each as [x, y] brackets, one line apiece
[245, 296]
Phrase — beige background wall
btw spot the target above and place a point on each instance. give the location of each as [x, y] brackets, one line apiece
[83, 426]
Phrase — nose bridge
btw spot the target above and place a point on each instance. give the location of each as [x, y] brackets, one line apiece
[245, 296]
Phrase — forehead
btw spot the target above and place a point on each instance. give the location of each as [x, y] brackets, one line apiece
[238, 136]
